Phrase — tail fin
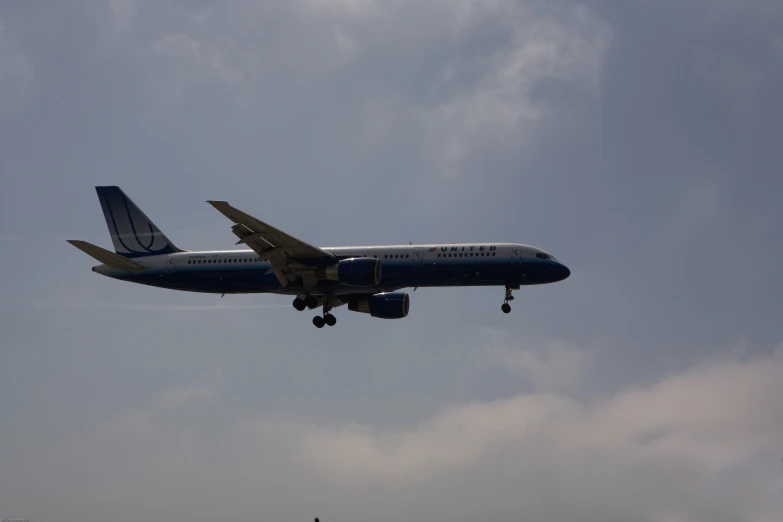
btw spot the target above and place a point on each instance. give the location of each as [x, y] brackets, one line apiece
[132, 233]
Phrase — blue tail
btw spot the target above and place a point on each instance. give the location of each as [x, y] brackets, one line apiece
[132, 233]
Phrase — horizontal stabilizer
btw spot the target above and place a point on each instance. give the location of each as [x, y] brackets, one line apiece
[107, 258]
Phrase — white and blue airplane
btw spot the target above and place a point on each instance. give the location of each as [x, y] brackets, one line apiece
[366, 278]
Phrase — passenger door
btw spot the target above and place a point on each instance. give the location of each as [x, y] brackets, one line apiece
[515, 257]
[418, 256]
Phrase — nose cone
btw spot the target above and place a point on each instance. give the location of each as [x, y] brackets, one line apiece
[562, 272]
[557, 272]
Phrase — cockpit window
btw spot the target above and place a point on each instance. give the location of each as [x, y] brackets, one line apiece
[543, 255]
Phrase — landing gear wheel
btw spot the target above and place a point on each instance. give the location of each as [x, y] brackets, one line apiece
[506, 308]
[318, 321]
[330, 319]
[299, 304]
[311, 301]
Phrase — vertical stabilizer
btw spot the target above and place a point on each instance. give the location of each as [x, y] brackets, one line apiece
[132, 232]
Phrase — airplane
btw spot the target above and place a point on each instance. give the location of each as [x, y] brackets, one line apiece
[367, 279]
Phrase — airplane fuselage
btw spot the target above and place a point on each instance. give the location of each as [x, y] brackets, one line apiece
[402, 266]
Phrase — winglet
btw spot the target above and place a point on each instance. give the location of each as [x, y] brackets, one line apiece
[107, 258]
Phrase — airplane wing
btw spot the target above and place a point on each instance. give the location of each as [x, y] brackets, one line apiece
[287, 255]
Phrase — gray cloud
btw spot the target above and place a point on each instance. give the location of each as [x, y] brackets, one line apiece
[673, 450]
[639, 143]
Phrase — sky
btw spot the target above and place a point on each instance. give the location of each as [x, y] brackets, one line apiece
[638, 142]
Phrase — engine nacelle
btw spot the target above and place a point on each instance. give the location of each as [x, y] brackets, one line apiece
[393, 305]
[355, 271]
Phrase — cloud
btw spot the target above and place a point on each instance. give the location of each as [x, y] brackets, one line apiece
[145, 420]
[550, 366]
[499, 108]
[177, 65]
[448, 79]
[702, 444]
[177, 397]
[715, 416]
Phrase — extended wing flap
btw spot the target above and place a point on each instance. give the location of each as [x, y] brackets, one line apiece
[265, 233]
[107, 258]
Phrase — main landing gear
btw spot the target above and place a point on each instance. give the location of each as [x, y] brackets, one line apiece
[311, 302]
[327, 319]
[308, 302]
[507, 307]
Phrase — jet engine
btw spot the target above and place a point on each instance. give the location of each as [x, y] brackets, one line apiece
[392, 305]
[355, 271]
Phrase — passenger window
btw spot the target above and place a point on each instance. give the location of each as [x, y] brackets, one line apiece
[407, 255]
[493, 253]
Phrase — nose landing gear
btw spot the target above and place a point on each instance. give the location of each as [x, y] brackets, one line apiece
[507, 307]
